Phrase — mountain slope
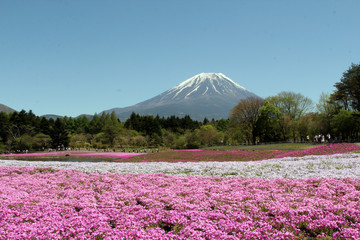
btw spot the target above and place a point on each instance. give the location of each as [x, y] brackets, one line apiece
[4, 108]
[210, 95]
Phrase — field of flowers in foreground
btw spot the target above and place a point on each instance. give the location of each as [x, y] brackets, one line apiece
[49, 203]
[299, 195]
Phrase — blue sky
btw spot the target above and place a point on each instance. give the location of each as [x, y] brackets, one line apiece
[69, 57]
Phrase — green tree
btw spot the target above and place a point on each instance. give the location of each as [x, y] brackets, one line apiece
[45, 126]
[150, 126]
[181, 142]
[292, 104]
[326, 110]
[222, 124]
[172, 123]
[292, 107]
[347, 93]
[69, 125]
[267, 125]
[246, 113]
[208, 135]
[147, 125]
[234, 135]
[4, 127]
[138, 141]
[133, 122]
[2, 146]
[346, 125]
[80, 140]
[326, 106]
[193, 139]
[187, 123]
[95, 125]
[21, 123]
[24, 142]
[82, 124]
[111, 129]
[41, 142]
[307, 127]
[59, 135]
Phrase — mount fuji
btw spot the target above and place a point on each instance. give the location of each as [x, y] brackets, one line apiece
[206, 95]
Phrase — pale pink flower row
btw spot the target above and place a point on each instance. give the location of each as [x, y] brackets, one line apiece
[40, 203]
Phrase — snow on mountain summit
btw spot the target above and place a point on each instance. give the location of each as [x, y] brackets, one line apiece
[204, 84]
[203, 77]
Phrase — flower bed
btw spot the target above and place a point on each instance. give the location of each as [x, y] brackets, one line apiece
[322, 166]
[328, 149]
[243, 155]
[198, 155]
[62, 204]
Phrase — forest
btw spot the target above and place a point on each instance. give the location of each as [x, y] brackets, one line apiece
[285, 117]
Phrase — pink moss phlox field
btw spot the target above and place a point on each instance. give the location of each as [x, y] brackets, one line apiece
[328, 149]
[194, 155]
[43, 203]
[107, 154]
[188, 150]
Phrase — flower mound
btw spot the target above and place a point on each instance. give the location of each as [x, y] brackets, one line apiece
[43, 203]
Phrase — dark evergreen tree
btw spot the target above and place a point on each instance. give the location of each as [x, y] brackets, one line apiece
[111, 128]
[222, 124]
[95, 125]
[347, 92]
[45, 126]
[133, 123]
[4, 126]
[69, 125]
[59, 135]
[82, 124]
[188, 123]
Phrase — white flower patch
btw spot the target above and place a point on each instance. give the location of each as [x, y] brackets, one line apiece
[321, 166]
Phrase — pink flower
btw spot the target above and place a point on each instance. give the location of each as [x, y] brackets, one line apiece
[57, 204]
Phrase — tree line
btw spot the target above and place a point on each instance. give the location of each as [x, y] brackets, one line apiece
[23, 130]
[288, 117]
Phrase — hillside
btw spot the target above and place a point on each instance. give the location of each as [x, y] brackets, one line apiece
[4, 108]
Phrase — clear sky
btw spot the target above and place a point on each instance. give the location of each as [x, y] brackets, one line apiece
[70, 57]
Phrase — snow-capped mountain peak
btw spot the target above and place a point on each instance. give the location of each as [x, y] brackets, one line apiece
[210, 95]
[203, 77]
[204, 84]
